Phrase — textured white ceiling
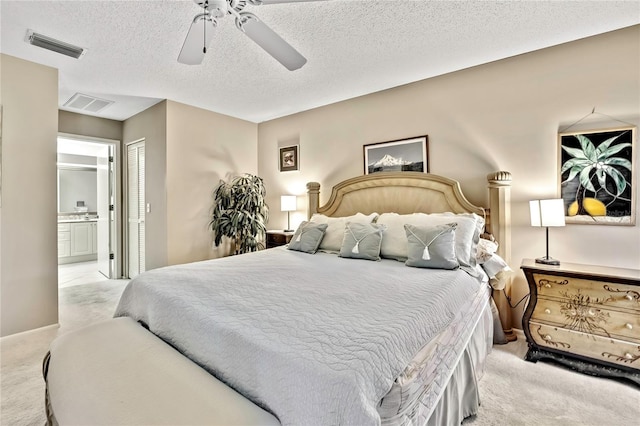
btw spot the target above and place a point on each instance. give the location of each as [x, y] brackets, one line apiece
[353, 47]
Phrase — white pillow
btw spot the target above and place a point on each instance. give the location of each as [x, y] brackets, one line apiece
[486, 248]
[334, 234]
[472, 249]
[497, 270]
[394, 240]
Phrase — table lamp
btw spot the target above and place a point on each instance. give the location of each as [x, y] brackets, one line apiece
[288, 203]
[547, 213]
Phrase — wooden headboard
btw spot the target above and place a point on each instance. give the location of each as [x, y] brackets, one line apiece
[415, 192]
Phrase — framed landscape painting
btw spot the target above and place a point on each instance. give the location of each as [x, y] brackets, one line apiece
[403, 155]
[597, 176]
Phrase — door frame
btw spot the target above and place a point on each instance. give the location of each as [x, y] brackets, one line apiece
[125, 202]
[118, 242]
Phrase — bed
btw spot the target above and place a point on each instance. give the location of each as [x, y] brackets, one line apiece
[319, 337]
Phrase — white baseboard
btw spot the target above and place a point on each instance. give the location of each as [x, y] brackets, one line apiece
[11, 337]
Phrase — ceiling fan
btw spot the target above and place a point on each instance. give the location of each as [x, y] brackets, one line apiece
[204, 25]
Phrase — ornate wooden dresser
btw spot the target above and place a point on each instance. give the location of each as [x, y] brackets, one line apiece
[585, 317]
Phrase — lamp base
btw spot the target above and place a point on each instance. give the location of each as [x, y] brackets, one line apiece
[548, 261]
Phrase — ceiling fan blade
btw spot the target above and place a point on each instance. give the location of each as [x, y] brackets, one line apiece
[199, 36]
[271, 42]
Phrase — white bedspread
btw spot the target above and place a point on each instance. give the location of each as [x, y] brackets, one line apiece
[315, 339]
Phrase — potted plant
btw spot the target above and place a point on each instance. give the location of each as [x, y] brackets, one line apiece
[240, 213]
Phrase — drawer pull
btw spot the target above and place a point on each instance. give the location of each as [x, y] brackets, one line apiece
[547, 285]
[629, 326]
[547, 337]
[591, 312]
[547, 311]
[628, 297]
[628, 355]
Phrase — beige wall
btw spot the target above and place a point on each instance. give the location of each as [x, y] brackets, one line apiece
[28, 240]
[86, 125]
[188, 150]
[202, 148]
[151, 125]
[499, 116]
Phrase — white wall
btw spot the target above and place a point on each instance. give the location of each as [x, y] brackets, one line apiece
[500, 116]
[28, 240]
[77, 185]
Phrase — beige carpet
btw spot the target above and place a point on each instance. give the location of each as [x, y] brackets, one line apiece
[512, 391]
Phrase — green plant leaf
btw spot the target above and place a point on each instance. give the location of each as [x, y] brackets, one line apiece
[573, 173]
[575, 152]
[616, 161]
[605, 145]
[613, 150]
[587, 147]
[574, 162]
[618, 178]
[585, 178]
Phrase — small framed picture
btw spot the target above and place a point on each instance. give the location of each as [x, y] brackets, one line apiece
[404, 155]
[289, 158]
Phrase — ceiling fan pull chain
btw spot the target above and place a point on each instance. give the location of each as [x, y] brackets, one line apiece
[204, 26]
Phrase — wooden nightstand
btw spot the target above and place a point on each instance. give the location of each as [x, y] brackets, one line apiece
[585, 317]
[278, 238]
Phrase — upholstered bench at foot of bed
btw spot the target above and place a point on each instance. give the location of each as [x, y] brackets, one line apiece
[118, 373]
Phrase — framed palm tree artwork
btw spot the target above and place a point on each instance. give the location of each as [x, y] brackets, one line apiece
[597, 180]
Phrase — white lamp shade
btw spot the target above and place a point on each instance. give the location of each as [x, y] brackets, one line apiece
[547, 212]
[288, 203]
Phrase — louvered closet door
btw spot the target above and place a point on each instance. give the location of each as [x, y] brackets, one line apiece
[135, 207]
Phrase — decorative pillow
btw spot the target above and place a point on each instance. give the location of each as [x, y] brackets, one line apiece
[497, 270]
[307, 237]
[486, 248]
[467, 234]
[432, 246]
[362, 241]
[334, 234]
[466, 237]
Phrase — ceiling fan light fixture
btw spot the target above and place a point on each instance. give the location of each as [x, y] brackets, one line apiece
[54, 45]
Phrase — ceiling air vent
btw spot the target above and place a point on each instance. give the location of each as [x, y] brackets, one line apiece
[87, 103]
[54, 45]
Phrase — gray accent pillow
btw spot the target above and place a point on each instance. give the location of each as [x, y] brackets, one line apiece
[362, 241]
[307, 237]
[432, 246]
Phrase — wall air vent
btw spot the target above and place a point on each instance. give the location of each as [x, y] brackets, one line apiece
[54, 45]
[87, 103]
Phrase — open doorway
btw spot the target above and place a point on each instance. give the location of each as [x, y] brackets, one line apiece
[88, 210]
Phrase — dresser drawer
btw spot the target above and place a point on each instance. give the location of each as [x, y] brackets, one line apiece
[602, 349]
[599, 292]
[578, 314]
